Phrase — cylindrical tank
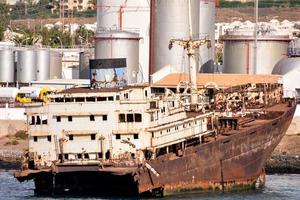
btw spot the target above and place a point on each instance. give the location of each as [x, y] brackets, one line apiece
[289, 69]
[129, 15]
[238, 55]
[26, 65]
[116, 44]
[8, 93]
[6, 65]
[84, 63]
[43, 64]
[171, 20]
[55, 64]
[207, 29]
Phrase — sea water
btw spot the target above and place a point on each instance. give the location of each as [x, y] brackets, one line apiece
[285, 186]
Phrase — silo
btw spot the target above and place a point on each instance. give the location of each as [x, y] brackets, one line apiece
[55, 64]
[131, 16]
[6, 65]
[84, 63]
[43, 64]
[207, 29]
[238, 56]
[26, 65]
[289, 69]
[120, 44]
[171, 21]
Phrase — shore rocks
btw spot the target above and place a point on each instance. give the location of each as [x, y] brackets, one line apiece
[288, 164]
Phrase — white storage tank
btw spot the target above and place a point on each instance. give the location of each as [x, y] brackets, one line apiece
[84, 63]
[26, 65]
[55, 64]
[120, 44]
[238, 55]
[289, 68]
[134, 17]
[6, 65]
[43, 64]
[171, 21]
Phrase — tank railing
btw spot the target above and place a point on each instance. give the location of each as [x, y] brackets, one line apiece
[106, 29]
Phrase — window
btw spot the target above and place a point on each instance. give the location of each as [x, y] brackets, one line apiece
[118, 136]
[92, 118]
[118, 97]
[135, 136]
[79, 156]
[45, 121]
[101, 99]
[38, 120]
[86, 156]
[122, 118]
[58, 118]
[90, 99]
[69, 100]
[129, 117]
[71, 137]
[35, 139]
[110, 98]
[32, 120]
[70, 118]
[146, 93]
[126, 95]
[93, 136]
[138, 117]
[79, 99]
[66, 156]
[104, 117]
[49, 138]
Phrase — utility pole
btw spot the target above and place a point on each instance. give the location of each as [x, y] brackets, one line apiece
[255, 36]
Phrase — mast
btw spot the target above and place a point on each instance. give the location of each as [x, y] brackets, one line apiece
[191, 45]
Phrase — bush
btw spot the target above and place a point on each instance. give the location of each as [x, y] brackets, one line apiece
[21, 134]
[14, 142]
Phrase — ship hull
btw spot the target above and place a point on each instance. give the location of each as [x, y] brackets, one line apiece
[232, 162]
[235, 162]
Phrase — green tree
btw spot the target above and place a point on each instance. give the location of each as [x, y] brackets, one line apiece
[84, 36]
[55, 38]
[4, 10]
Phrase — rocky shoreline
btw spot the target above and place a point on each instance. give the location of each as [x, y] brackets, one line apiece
[283, 164]
[10, 159]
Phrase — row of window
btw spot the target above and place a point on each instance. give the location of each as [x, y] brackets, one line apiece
[71, 137]
[92, 136]
[135, 136]
[130, 117]
[85, 99]
[176, 128]
[92, 118]
[37, 120]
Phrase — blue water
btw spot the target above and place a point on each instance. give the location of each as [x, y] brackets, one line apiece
[277, 187]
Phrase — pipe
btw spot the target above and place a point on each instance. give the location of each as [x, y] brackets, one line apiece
[152, 39]
[248, 57]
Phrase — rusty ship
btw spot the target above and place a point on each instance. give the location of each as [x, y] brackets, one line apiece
[155, 139]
